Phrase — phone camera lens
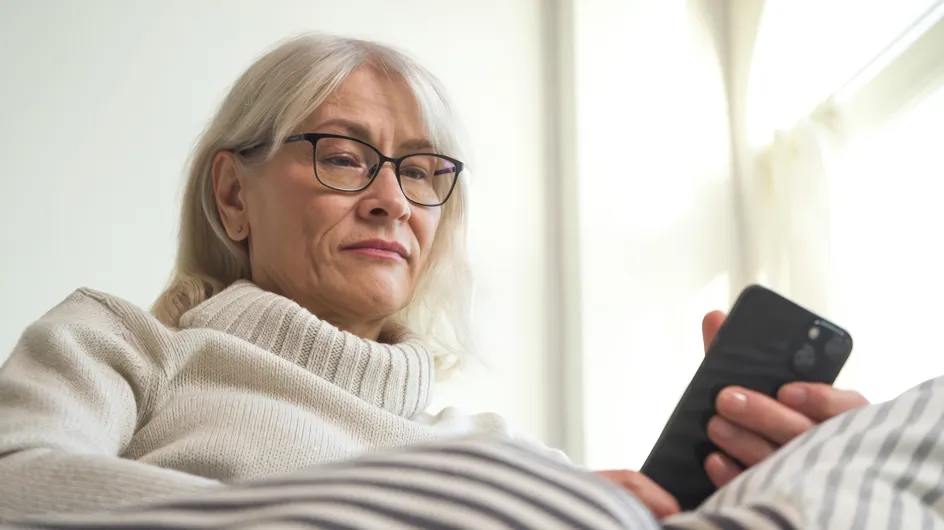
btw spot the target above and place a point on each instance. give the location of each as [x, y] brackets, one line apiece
[813, 333]
[804, 358]
[838, 347]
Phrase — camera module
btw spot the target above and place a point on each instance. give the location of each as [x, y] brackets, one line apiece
[838, 347]
[813, 333]
[804, 358]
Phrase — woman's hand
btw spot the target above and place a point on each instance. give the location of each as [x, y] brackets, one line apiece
[660, 502]
[750, 426]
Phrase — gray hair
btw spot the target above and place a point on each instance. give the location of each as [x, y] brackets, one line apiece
[272, 98]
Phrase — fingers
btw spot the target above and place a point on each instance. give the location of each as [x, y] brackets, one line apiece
[761, 415]
[741, 444]
[818, 401]
[660, 502]
[710, 326]
[721, 469]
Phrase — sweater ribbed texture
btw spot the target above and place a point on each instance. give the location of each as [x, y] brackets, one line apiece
[394, 377]
[101, 405]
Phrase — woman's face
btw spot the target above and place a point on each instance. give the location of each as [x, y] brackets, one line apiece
[330, 250]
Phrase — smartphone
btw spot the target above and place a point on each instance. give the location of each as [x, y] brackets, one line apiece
[766, 341]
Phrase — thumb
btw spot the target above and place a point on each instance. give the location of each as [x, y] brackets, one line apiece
[710, 326]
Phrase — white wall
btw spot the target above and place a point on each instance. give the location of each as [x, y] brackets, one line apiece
[101, 101]
[658, 243]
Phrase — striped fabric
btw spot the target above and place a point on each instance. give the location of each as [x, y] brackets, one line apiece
[460, 484]
[880, 467]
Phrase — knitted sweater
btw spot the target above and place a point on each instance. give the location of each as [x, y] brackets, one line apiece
[102, 405]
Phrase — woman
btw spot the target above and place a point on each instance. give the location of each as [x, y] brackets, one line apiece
[320, 286]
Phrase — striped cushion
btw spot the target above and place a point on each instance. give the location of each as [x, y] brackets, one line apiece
[878, 467]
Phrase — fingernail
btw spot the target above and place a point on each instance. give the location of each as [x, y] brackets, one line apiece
[721, 461]
[725, 464]
[794, 395]
[735, 401]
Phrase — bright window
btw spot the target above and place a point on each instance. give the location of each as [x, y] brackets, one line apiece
[808, 49]
[887, 202]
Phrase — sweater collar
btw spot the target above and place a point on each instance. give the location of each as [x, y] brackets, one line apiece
[397, 377]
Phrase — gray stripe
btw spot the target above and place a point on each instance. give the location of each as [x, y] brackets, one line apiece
[851, 448]
[888, 445]
[928, 442]
[771, 468]
[723, 522]
[400, 516]
[317, 523]
[393, 491]
[309, 521]
[640, 513]
[533, 500]
[106, 525]
[813, 453]
[517, 468]
[933, 495]
[823, 432]
[778, 519]
[227, 514]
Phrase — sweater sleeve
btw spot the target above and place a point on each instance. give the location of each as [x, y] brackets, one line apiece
[70, 398]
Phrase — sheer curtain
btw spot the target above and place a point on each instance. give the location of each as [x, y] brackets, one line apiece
[886, 188]
[842, 208]
[787, 206]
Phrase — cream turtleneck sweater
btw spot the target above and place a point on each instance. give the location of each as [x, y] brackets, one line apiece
[101, 405]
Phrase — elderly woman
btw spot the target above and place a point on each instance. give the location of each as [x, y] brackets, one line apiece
[320, 288]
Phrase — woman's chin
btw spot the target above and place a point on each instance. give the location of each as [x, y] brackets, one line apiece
[381, 291]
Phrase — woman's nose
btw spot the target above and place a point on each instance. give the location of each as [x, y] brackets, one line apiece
[384, 199]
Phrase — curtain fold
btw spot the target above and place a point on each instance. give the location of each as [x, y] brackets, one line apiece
[785, 186]
[786, 209]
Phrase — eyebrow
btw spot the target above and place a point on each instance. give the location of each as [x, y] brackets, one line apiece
[359, 131]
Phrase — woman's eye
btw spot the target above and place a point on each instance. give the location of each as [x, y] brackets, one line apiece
[341, 161]
[413, 173]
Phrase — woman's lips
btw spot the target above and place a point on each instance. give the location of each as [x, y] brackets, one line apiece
[379, 248]
[376, 253]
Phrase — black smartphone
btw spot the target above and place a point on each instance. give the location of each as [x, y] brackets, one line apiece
[766, 341]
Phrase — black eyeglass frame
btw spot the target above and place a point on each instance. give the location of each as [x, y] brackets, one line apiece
[313, 138]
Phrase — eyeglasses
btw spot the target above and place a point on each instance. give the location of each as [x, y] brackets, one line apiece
[347, 164]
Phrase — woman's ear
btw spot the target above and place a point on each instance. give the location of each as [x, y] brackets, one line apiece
[229, 192]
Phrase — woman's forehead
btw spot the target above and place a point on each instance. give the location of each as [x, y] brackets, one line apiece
[370, 103]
